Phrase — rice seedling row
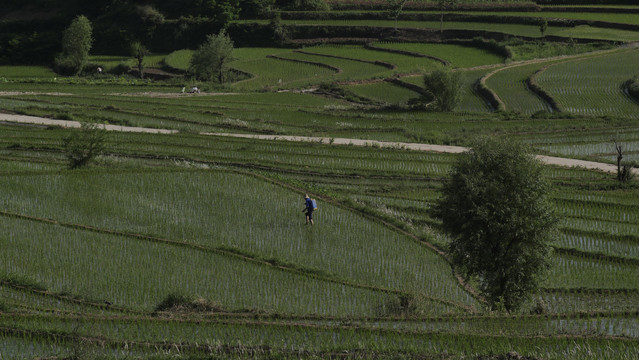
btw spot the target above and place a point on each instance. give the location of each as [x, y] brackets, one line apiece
[575, 272]
[581, 301]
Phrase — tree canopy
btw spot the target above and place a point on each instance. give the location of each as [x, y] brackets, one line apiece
[76, 44]
[210, 61]
[443, 88]
[496, 209]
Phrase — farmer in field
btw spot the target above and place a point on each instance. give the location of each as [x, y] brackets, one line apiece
[309, 207]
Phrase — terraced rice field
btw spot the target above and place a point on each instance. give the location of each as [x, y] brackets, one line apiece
[511, 87]
[457, 55]
[384, 92]
[403, 63]
[593, 86]
[192, 245]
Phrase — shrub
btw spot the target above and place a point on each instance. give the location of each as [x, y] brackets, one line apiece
[443, 88]
[84, 145]
[121, 68]
[632, 86]
[181, 303]
[307, 5]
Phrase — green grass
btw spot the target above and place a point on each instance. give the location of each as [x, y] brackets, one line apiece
[110, 62]
[179, 59]
[598, 33]
[17, 72]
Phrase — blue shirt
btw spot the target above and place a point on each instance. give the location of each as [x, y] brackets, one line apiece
[309, 204]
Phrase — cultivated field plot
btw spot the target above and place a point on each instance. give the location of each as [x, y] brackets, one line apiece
[583, 31]
[384, 92]
[175, 206]
[593, 86]
[619, 17]
[457, 55]
[190, 214]
[510, 85]
[403, 63]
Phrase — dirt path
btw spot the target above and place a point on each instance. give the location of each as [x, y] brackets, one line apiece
[23, 119]
[550, 160]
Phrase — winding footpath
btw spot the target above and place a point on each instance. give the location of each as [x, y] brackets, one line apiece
[549, 160]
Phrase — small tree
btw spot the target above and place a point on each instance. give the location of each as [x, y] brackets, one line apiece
[139, 51]
[624, 172]
[444, 5]
[211, 60]
[84, 145]
[543, 26]
[495, 207]
[76, 44]
[280, 34]
[443, 88]
[395, 8]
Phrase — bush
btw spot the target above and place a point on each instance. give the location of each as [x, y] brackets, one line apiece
[443, 88]
[84, 145]
[632, 86]
[626, 172]
[304, 5]
[121, 69]
[181, 303]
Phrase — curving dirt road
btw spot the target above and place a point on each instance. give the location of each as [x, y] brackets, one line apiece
[550, 160]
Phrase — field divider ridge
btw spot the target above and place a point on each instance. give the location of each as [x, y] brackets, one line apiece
[379, 63]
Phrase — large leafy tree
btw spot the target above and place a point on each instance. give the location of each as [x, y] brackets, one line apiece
[76, 44]
[495, 207]
[210, 60]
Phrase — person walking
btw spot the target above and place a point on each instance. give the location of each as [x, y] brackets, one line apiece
[309, 209]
